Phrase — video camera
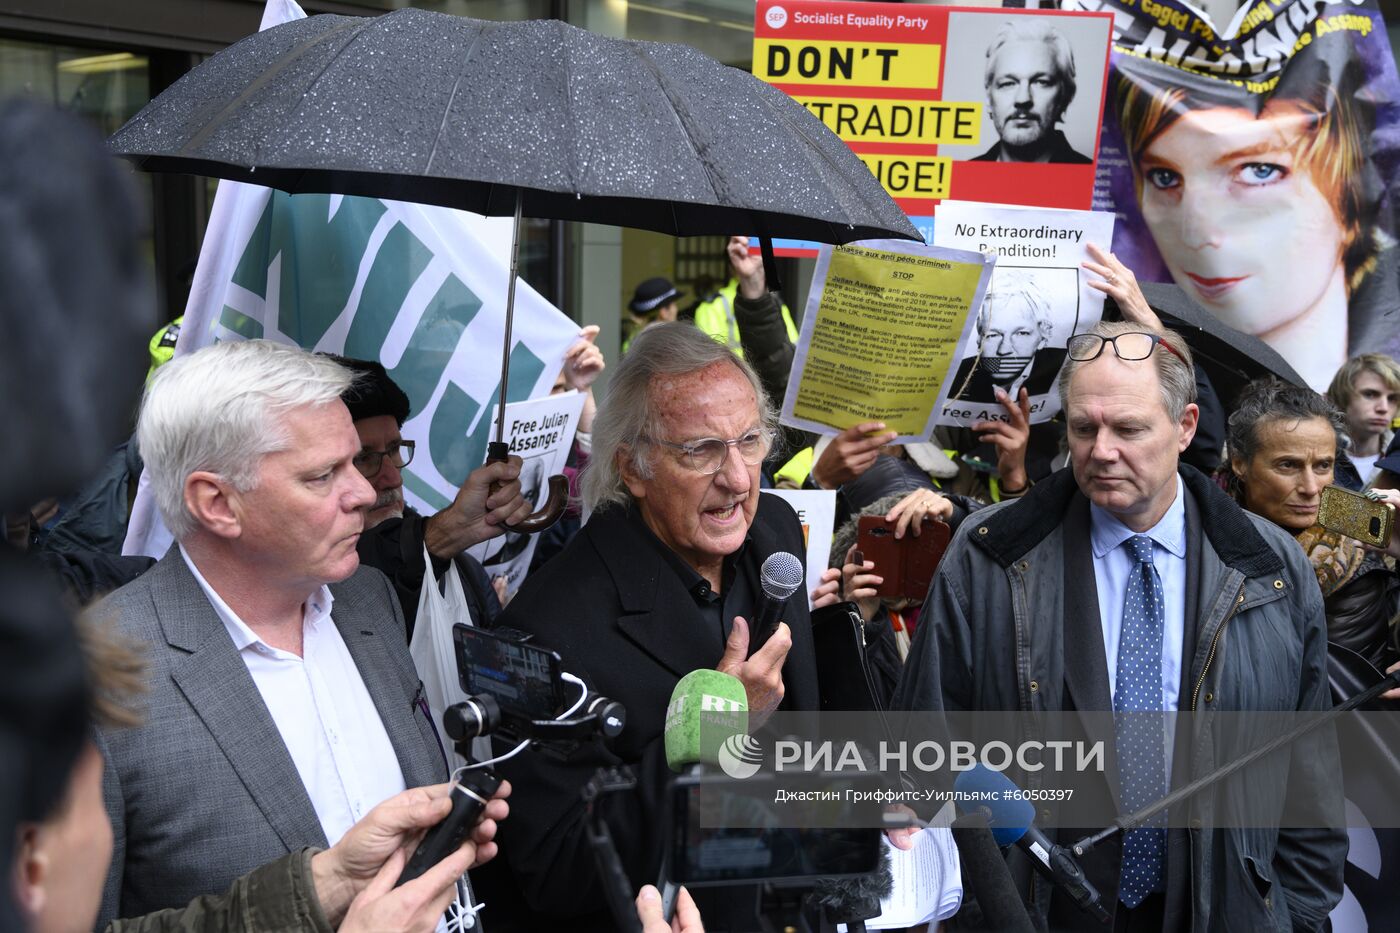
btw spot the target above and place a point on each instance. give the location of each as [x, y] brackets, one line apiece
[726, 831]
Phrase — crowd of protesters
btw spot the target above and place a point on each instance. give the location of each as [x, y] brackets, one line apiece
[283, 714]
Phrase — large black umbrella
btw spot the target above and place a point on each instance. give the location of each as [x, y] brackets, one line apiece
[1229, 357]
[440, 109]
[535, 118]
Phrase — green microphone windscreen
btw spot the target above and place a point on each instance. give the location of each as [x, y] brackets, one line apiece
[706, 708]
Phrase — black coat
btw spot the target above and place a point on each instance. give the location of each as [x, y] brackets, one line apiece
[1012, 623]
[394, 547]
[622, 619]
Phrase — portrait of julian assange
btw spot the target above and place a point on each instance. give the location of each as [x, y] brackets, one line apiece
[1039, 79]
[1030, 81]
[1014, 334]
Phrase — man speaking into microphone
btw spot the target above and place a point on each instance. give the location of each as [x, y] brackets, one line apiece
[662, 580]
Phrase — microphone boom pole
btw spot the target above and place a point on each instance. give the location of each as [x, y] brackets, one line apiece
[1135, 820]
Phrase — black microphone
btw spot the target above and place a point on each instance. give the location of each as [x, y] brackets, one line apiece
[986, 879]
[1012, 821]
[469, 797]
[853, 901]
[780, 577]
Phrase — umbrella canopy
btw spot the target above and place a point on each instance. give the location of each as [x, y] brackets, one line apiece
[1229, 357]
[440, 109]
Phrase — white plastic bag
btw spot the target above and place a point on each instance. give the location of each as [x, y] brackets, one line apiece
[434, 654]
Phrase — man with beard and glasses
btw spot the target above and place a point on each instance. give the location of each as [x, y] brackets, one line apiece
[1030, 84]
[1013, 329]
[395, 535]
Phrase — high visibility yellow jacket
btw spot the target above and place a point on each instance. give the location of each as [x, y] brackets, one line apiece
[162, 345]
[716, 318]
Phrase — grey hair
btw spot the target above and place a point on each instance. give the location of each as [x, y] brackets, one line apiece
[1015, 284]
[627, 417]
[1177, 377]
[219, 409]
[1034, 28]
[1265, 400]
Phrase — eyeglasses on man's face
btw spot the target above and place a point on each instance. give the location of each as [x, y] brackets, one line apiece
[708, 454]
[1130, 346]
[370, 462]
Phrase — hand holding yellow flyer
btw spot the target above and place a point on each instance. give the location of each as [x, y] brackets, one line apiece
[881, 329]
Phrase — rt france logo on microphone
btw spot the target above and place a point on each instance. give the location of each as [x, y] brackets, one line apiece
[740, 756]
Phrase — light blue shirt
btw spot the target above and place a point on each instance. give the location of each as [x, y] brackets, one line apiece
[1113, 562]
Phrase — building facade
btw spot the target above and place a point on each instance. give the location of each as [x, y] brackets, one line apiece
[105, 60]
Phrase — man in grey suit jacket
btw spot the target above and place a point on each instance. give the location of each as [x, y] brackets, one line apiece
[283, 702]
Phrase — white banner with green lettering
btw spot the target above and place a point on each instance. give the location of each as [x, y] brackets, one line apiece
[417, 288]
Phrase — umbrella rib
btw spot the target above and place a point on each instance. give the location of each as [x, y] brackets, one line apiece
[797, 129]
[198, 139]
[451, 99]
[682, 117]
[365, 23]
[575, 172]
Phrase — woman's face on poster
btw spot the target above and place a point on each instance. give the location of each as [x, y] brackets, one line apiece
[1239, 221]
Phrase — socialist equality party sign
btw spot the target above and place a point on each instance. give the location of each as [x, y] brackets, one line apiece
[1256, 166]
[987, 105]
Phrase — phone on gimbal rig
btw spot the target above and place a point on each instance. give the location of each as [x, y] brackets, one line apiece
[515, 690]
[523, 678]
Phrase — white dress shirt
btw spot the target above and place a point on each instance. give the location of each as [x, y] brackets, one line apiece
[323, 711]
[1365, 467]
[1112, 566]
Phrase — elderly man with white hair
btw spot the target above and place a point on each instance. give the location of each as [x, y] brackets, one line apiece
[283, 704]
[661, 581]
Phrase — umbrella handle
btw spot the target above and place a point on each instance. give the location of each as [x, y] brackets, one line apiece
[553, 507]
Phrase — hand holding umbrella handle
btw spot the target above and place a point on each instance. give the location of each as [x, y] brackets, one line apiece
[554, 506]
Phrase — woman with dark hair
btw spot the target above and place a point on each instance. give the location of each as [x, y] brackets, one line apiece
[1283, 442]
[1263, 207]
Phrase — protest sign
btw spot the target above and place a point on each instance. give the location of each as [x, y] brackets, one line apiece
[882, 324]
[541, 433]
[816, 510]
[1256, 168]
[942, 102]
[1038, 298]
[414, 287]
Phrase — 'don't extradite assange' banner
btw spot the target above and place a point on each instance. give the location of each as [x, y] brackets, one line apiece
[1256, 167]
[415, 287]
[909, 88]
